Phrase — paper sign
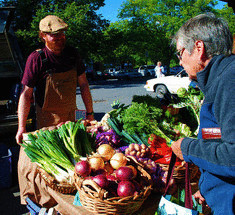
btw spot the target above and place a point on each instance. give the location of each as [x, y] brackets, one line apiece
[80, 114]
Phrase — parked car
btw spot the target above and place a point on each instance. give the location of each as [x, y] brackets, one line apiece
[128, 74]
[110, 73]
[147, 70]
[99, 74]
[168, 84]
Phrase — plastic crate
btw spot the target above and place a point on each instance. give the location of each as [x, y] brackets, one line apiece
[5, 167]
[34, 209]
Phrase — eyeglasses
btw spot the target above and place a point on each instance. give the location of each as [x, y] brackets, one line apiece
[180, 53]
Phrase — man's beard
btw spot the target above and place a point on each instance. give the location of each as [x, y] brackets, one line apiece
[56, 46]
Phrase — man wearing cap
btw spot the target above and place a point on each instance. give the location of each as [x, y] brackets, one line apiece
[51, 75]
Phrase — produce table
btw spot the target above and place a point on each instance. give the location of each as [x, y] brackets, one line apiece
[65, 204]
[70, 140]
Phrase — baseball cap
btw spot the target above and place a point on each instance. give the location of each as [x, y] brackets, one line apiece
[52, 24]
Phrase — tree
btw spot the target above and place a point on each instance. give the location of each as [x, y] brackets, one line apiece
[85, 26]
[228, 14]
[148, 26]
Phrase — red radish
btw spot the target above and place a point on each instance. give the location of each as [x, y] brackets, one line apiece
[124, 173]
[83, 168]
[125, 188]
[101, 180]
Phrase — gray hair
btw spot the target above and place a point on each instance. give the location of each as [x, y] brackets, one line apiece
[214, 32]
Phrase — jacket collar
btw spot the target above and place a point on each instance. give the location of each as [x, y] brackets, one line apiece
[208, 74]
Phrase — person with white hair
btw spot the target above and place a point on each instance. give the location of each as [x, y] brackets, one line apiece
[204, 47]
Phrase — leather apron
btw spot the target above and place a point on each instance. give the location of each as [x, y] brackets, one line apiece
[59, 106]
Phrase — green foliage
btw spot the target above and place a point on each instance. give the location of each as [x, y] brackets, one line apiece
[147, 116]
[141, 118]
[228, 14]
[147, 26]
[191, 99]
[182, 92]
[85, 26]
[141, 36]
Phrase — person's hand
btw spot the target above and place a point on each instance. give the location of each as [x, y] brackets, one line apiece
[90, 117]
[201, 200]
[89, 121]
[19, 135]
[199, 197]
[176, 148]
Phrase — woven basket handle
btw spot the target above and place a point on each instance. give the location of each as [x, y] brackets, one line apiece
[188, 192]
[101, 193]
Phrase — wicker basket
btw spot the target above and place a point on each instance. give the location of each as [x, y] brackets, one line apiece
[179, 171]
[96, 200]
[64, 188]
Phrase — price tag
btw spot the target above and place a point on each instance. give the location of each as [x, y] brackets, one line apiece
[80, 114]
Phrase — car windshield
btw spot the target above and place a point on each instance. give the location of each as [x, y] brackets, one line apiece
[182, 73]
[150, 67]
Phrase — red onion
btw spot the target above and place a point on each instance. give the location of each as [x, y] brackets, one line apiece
[125, 188]
[101, 180]
[83, 168]
[99, 172]
[111, 177]
[124, 173]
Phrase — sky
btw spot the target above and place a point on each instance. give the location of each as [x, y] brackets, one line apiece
[110, 10]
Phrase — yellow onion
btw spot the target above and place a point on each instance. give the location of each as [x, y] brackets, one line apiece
[118, 160]
[106, 151]
[96, 162]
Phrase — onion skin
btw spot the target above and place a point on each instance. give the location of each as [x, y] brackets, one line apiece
[126, 188]
[106, 151]
[83, 168]
[118, 160]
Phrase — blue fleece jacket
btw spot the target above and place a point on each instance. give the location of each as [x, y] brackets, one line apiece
[216, 157]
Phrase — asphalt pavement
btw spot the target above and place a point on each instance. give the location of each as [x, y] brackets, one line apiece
[104, 92]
